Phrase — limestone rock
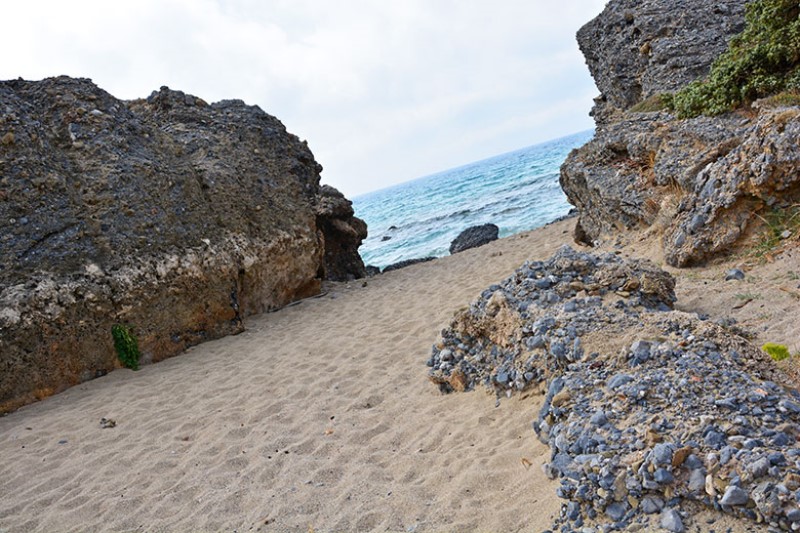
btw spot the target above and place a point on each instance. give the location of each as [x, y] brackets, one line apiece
[173, 216]
[700, 184]
[343, 233]
[635, 49]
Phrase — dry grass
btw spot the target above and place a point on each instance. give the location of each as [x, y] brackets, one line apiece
[651, 104]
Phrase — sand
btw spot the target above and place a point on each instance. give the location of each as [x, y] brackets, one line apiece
[318, 418]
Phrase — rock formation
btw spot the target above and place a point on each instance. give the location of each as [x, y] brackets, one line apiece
[637, 49]
[170, 215]
[699, 183]
[473, 237]
[342, 232]
[648, 411]
[406, 263]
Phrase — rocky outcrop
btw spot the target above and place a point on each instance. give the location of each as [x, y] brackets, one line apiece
[648, 411]
[343, 233]
[173, 216]
[473, 237]
[699, 183]
[635, 49]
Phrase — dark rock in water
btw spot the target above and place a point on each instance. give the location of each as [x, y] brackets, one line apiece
[372, 270]
[572, 213]
[173, 216]
[407, 262]
[386, 238]
[473, 237]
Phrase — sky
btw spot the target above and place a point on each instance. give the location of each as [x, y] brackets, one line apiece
[384, 91]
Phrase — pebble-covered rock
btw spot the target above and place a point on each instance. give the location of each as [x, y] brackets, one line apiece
[645, 408]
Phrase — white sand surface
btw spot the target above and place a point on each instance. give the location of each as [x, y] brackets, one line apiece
[318, 418]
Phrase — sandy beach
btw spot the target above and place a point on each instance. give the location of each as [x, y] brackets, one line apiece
[318, 418]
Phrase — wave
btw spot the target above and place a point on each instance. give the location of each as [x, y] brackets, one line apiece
[517, 191]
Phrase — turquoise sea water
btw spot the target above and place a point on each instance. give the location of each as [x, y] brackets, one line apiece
[517, 191]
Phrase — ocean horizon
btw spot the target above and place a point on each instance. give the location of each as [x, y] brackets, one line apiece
[517, 191]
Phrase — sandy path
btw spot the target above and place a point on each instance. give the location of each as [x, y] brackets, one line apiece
[319, 417]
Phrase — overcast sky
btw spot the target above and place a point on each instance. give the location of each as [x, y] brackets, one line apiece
[384, 91]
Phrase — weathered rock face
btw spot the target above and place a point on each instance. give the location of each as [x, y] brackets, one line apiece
[762, 171]
[619, 178]
[170, 215]
[635, 49]
[343, 233]
[700, 182]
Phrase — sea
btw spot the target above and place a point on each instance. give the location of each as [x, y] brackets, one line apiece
[517, 191]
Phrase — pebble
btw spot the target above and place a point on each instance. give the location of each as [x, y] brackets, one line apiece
[663, 476]
[734, 496]
[599, 419]
[619, 380]
[662, 454]
[697, 480]
[652, 505]
[758, 468]
[671, 521]
[616, 511]
[734, 274]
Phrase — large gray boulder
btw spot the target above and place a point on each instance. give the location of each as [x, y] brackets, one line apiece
[175, 217]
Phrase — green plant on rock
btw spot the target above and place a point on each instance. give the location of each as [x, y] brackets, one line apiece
[778, 352]
[126, 345]
[762, 60]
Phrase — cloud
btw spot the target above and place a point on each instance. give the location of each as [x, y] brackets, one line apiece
[384, 91]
